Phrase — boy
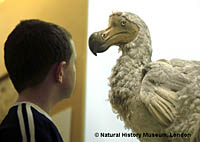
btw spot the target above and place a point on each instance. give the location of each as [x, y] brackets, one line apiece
[40, 60]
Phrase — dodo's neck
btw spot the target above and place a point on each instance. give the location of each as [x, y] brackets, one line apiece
[127, 73]
[125, 80]
[139, 50]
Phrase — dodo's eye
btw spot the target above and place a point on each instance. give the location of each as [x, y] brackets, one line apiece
[123, 23]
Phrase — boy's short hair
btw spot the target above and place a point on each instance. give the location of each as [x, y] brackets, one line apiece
[32, 48]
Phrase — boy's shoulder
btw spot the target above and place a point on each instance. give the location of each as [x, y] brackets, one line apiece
[28, 121]
[10, 125]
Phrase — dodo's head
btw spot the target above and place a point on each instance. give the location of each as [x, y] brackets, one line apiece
[123, 28]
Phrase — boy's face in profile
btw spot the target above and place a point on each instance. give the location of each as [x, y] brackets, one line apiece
[70, 73]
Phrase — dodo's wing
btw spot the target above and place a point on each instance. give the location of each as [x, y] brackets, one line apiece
[158, 90]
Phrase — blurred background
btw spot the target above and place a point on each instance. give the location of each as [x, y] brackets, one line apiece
[174, 28]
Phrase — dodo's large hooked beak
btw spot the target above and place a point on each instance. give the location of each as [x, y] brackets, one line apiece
[97, 43]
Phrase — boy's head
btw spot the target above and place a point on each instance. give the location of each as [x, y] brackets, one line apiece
[31, 50]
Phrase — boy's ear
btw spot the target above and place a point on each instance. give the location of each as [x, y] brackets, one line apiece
[60, 72]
